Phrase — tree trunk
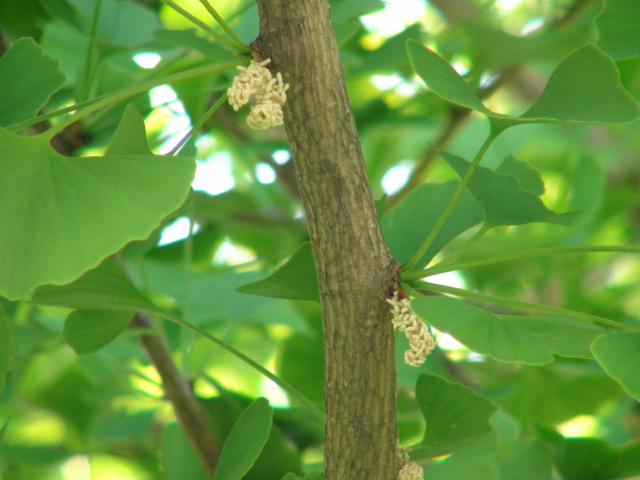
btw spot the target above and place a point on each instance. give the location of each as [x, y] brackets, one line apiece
[356, 272]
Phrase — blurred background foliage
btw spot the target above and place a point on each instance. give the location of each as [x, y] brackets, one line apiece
[102, 416]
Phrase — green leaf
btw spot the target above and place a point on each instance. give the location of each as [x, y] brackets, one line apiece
[407, 225]
[181, 462]
[4, 429]
[245, 442]
[619, 356]
[131, 136]
[350, 9]
[308, 476]
[103, 288]
[502, 199]
[62, 216]
[526, 460]
[528, 178]
[529, 339]
[189, 40]
[7, 347]
[28, 78]
[455, 415]
[442, 78]
[586, 459]
[585, 87]
[619, 28]
[553, 394]
[474, 462]
[295, 280]
[87, 331]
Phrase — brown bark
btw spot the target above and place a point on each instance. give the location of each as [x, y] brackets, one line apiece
[355, 269]
[188, 411]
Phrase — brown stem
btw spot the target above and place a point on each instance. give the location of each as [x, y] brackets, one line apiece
[188, 411]
[356, 272]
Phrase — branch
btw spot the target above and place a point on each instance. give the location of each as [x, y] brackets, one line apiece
[188, 411]
[356, 272]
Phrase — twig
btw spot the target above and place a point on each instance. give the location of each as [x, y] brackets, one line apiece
[188, 411]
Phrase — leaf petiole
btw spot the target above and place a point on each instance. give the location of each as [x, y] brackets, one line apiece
[408, 276]
[525, 305]
[493, 134]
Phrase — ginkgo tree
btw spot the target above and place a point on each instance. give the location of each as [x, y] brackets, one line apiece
[260, 343]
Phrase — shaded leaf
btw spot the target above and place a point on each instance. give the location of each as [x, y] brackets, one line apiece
[455, 415]
[7, 347]
[39, 77]
[62, 216]
[528, 178]
[181, 462]
[474, 462]
[245, 442]
[189, 40]
[350, 9]
[295, 280]
[104, 288]
[308, 476]
[4, 429]
[529, 339]
[407, 225]
[586, 459]
[619, 28]
[619, 356]
[526, 460]
[552, 394]
[87, 331]
[502, 199]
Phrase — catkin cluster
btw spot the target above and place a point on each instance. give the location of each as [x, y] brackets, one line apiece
[421, 342]
[408, 470]
[270, 94]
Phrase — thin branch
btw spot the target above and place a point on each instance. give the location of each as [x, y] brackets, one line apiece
[188, 411]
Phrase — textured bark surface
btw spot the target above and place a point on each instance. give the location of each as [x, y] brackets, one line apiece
[355, 269]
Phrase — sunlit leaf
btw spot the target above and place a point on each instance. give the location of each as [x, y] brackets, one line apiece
[619, 355]
[7, 347]
[87, 331]
[350, 9]
[407, 225]
[502, 199]
[442, 78]
[28, 78]
[584, 87]
[455, 415]
[295, 280]
[245, 442]
[131, 136]
[619, 28]
[525, 339]
[62, 216]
